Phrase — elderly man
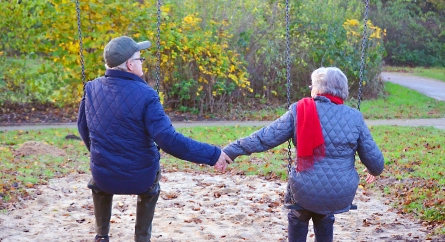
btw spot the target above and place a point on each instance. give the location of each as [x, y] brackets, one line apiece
[123, 125]
[327, 135]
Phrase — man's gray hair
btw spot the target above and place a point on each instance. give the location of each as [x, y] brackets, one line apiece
[330, 80]
[122, 66]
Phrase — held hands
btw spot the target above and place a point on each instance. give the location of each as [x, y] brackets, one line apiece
[222, 162]
[369, 178]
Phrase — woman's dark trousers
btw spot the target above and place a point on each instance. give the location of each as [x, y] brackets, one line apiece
[299, 223]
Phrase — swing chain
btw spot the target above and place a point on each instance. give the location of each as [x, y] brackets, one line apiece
[288, 78]
[288, 62]
[79, 30]
[362, 64]
[158, 44]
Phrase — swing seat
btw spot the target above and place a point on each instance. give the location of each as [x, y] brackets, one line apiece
[293, 206]
[298, 207]
[150, 192]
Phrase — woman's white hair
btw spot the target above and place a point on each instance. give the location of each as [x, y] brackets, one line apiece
[123, 66]
[330, 80]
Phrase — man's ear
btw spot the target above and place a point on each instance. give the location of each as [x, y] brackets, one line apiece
[129, 66]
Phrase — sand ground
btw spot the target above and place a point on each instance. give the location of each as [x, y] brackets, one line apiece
[195, 207]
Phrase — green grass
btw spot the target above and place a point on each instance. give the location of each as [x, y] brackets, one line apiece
[432, 72]
[19, 173]
[398, 102]
[415, 168]
[413, 178]
[250, 165]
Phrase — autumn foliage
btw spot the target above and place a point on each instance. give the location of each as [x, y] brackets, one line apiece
[208, 62]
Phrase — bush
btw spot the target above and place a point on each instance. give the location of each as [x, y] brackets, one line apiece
[415, 35]
[334, 38]
[212, 53]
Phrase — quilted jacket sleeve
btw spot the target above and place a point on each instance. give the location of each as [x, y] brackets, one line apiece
[264, 139]
[82, 124]
[164, 134]
[368, 151]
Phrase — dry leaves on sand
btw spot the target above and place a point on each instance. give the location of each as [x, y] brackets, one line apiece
[248, 208]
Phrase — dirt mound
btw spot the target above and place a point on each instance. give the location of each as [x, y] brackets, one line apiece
[38, 148]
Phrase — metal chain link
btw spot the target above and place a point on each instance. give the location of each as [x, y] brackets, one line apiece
[79, 31]
[362, 64]
[158, 44]
[288, 62]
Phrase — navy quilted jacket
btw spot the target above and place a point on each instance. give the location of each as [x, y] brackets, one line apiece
[331, 185]
[120, 121]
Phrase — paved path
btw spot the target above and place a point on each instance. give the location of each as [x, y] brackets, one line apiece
[429, 87]
[436, 122]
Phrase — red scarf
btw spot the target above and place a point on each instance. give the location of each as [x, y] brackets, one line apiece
[310, 141]
[334, 99]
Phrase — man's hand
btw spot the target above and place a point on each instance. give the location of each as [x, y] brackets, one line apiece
[369, 178]
[222, 162]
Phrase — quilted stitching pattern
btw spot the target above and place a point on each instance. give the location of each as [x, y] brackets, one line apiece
[331, 185]
[124, 119]
[266, 138]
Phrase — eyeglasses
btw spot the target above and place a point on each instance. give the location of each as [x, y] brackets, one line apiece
[141, 59]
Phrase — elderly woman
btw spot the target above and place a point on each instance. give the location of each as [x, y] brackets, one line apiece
[327, 134]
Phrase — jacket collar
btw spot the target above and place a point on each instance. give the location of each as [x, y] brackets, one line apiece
[123, 74]
[321, 98]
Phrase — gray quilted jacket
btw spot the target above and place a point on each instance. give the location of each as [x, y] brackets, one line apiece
[331, 185]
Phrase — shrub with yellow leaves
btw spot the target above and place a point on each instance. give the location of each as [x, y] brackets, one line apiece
[199, 69]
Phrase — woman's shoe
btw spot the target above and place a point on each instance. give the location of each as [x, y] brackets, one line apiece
[101, 238]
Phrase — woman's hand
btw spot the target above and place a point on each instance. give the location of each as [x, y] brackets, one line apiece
[222, 162]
